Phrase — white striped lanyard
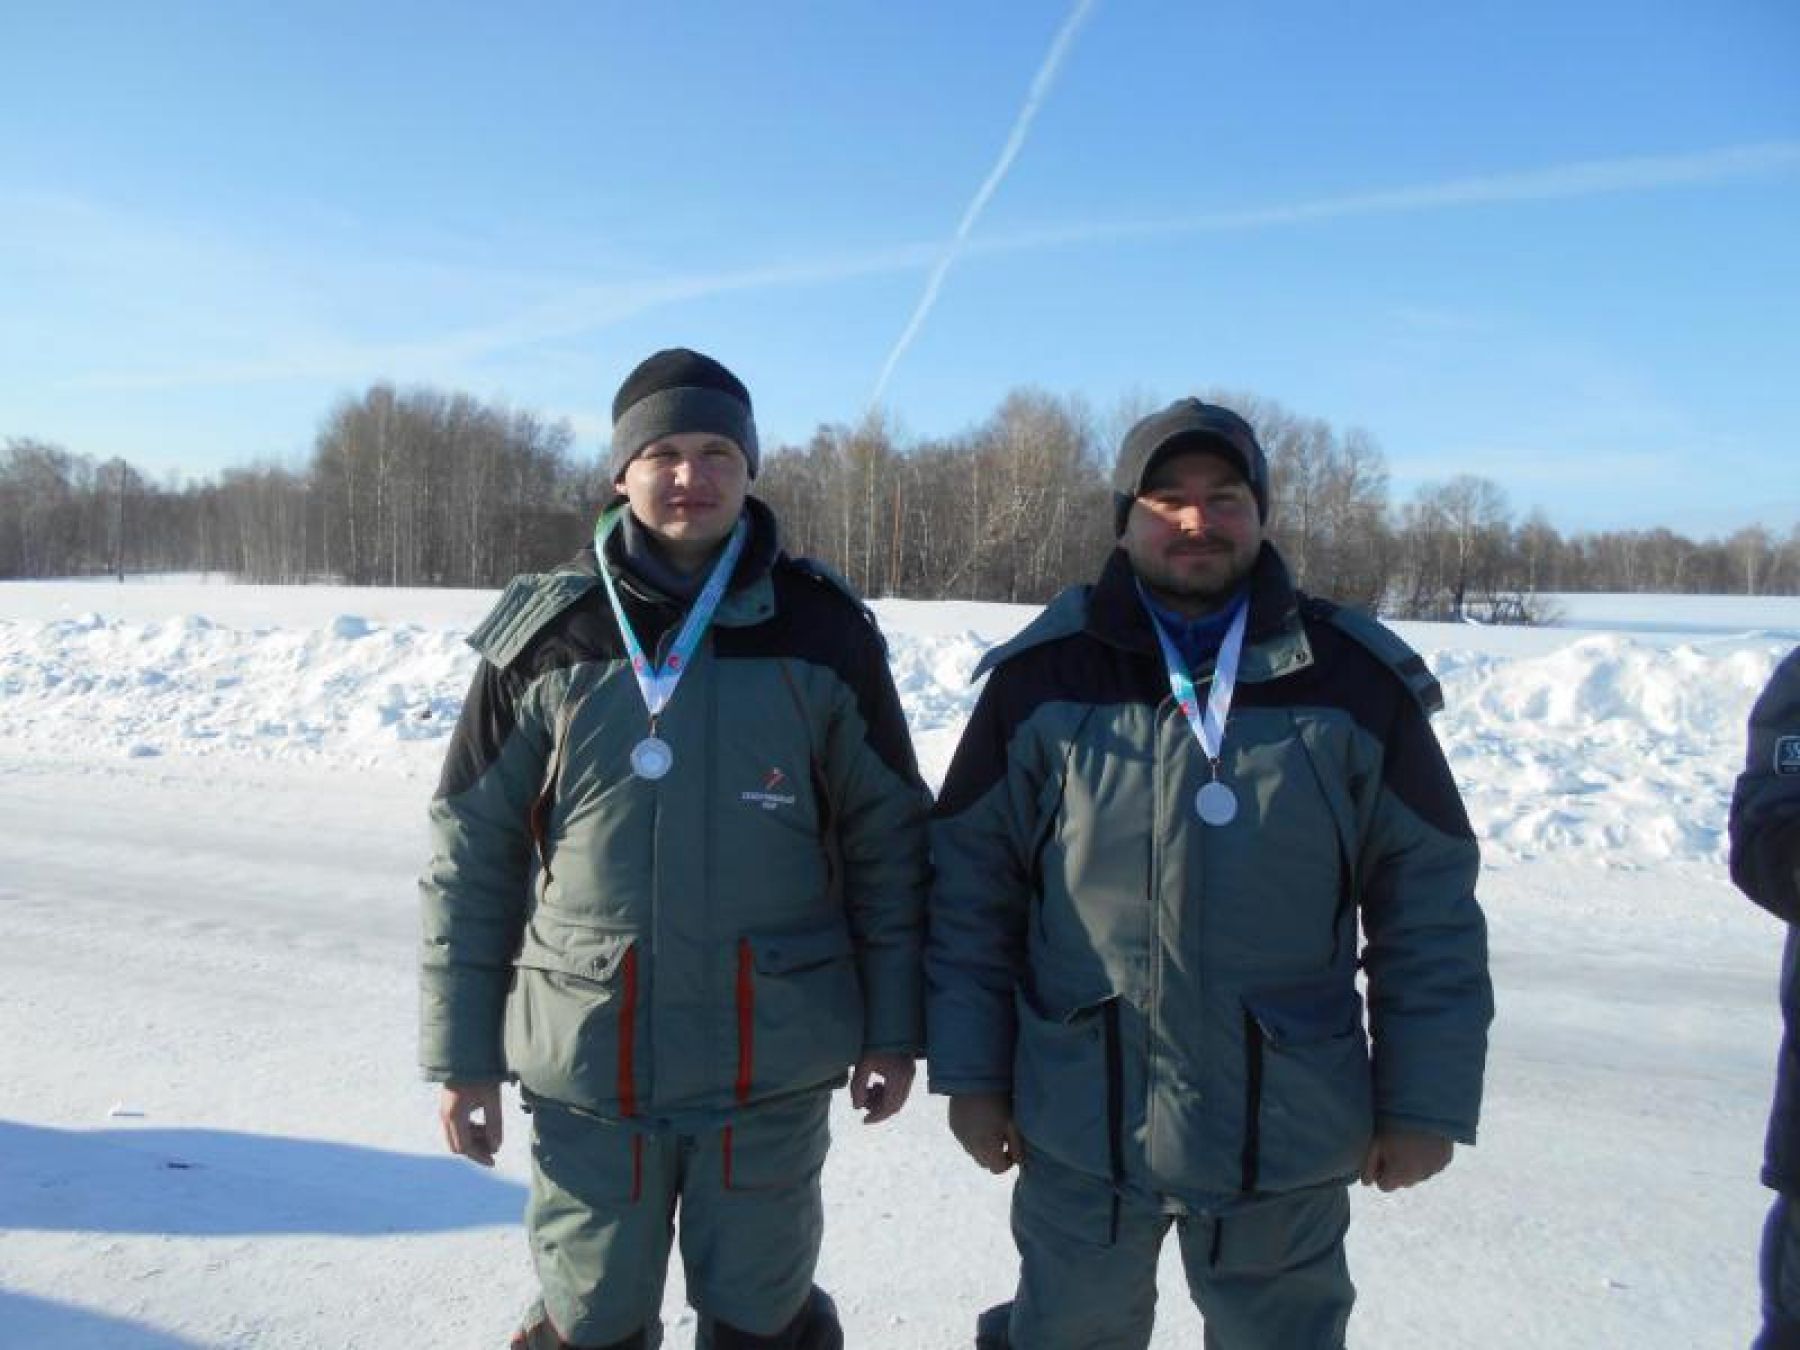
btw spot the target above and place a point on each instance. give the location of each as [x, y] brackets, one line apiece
[657, 684]
[1209, 723]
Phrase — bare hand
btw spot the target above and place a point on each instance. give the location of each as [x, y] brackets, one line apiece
[1401, 1158]
[983, 1124]
[880, 1084]
[470, 1115]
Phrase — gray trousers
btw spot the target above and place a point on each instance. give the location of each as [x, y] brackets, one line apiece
[605, 1197]
[1270, 1276]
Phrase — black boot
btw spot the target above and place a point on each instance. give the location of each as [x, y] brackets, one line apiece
[991, 1328]
[814, 1327]
[821, 1329]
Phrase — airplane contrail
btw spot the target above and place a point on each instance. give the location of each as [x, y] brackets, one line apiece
[1034, 99]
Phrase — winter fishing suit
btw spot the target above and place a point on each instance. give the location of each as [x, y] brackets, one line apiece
[1174, 1006]
[676, 972]
[1765, 863]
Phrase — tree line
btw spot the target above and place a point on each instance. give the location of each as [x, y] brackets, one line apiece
[420, 487]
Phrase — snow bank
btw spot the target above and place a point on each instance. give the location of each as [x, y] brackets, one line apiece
[1608, 746]
[1620, 747]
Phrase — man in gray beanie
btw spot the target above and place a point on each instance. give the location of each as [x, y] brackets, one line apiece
[1183, 795]
[676, 892]
[677, 392]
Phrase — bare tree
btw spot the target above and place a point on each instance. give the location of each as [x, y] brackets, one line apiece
[423, 487]
[1753, 551]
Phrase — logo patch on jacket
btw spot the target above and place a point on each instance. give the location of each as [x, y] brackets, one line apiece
[1787, 755]
[770, 795]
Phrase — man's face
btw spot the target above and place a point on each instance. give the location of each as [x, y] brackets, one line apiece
[1193, 533]
[688, 491]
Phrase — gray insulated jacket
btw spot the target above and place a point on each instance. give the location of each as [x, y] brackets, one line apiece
[741, 929]
[1765, 863]
[1173, 1004]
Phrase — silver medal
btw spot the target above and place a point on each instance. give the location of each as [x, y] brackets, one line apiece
[1216, 804]
[651, 758]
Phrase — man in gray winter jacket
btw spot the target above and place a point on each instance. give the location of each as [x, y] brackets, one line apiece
[676, 891]
[1183, 792]
[1765, 863]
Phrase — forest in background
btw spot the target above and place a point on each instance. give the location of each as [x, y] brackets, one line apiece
[421, 487]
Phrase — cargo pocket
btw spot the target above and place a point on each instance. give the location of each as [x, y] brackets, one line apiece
[1309, 1096]
[799, 1010]
[582, 1162]
[1067, 1090]
[571, 1018]
[779, 1145]
[1051, 1199]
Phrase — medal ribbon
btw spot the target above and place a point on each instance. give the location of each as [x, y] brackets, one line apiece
[1208, 723]
[658, 684]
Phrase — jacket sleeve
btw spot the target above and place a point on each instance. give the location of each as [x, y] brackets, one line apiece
[1425, 953]
[1765, 806]
[980, 901]
[475, 888]
[880, 805]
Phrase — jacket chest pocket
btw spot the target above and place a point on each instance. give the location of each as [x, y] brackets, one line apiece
[799, 1009]
[1068, 1093]
[571, 1031]
[1308, 1113]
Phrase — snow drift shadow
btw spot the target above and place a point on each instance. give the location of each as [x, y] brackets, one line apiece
[203, 1183]
[39, 1321]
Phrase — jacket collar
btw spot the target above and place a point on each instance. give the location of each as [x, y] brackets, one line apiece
[1274, 640]
[749, 599]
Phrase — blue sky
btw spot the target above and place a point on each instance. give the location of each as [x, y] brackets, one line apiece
[1557, 245]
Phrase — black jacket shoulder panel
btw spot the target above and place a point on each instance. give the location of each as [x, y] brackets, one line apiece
[577, 626]
[1058, 663]
[1063, 616]
[1385, 645]
[818, 620]
[1347, 675]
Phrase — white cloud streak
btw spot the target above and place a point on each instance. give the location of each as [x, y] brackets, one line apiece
[1034, 99]
[312, 351]
[1591, 178]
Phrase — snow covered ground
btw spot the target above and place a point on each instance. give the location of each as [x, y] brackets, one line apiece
[211, 812]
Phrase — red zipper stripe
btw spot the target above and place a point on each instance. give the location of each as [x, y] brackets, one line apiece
[628, 1037]
[746, 1009]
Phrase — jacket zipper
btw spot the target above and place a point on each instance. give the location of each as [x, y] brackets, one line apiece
[1254, 1043]
[1115, 1106]
[1154, 901]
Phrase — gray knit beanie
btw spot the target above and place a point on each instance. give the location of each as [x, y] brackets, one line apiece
[674, 391]
[1187, 424]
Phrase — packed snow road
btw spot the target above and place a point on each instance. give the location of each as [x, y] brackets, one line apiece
[212, 1135]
